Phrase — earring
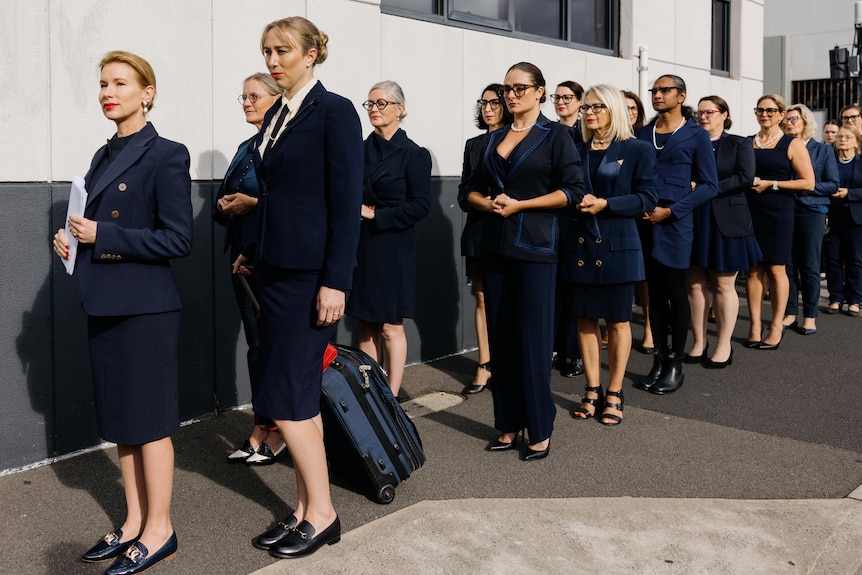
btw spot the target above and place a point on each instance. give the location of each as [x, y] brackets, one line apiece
[146, 106]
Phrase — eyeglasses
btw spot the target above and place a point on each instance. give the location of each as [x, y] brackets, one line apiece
[518, 89]
[849, 118]
[768, 111]
[663, 89]
[844, 137]
[493, 104]
[633, 109]
[792, 119]
[595, 109]
[381, 104]
[707, 113]
[564, 98]
[253, 98]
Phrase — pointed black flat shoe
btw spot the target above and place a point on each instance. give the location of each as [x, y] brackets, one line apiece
[272, 536]
[532, 454]
[137, 557]
[692, 359]
[108, 548]
[768, 346]
[719, 364]
[473, 389]
[750, 344]
[302, 541]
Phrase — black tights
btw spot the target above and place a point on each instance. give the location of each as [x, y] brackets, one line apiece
[669, 308]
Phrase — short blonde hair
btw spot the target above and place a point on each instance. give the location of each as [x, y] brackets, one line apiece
[779, 101]
[146, 75]
[613, 99]
[810, 129]
[857, 135]
[304, 31]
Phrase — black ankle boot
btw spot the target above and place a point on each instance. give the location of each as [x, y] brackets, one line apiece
[654, 374]
[671, 378]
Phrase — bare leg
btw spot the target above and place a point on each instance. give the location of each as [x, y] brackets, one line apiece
[258, 435]
[395, 347]
[158, 462]
[698, 300]
[779, 291]
[369, 340]
[305, 442]
[589, 338]
[642, 290]
[726, 306]
[134, 486]
[754, 294]
[482, 375]
[619, 349]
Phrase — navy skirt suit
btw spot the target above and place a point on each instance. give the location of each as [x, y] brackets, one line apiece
[723, 232]
[308, 229]
[139, 193]
[472, 233]
[600, 255]
[843, 244]
[397, 183]
[519, 268]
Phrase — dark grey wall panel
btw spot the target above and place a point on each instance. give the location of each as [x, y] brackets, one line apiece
[27, 405]
[47, 406]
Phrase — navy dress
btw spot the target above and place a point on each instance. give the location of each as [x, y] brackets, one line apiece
[723, 234]
[398, 184]
[772, 212]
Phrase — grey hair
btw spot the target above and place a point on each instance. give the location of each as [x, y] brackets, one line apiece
[268, 83]
[395, 93]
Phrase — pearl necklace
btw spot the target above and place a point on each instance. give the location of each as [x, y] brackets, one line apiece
[769, 142]
[655, 145]
[847, 161]
[514, 129]
[596, 142]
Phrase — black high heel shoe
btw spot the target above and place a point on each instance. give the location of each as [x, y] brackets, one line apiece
[582, 410]
[475, 387]
[532, 454]
[498, 445]
[615, 419]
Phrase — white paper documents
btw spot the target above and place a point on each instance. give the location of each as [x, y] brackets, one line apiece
[77, 203]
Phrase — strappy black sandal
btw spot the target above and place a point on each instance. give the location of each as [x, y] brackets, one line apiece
[582, 412]
[615, 419]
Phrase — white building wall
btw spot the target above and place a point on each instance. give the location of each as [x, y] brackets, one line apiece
[202, 49]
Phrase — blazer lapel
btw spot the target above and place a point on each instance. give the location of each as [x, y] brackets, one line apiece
[301, 115]
[526, 147]
[136, 148]
[682, 135]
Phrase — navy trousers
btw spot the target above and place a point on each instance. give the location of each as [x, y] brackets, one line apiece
[843, 252]
[519, 306]
[803, 271]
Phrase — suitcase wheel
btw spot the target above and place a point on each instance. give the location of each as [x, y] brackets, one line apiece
[386, 494]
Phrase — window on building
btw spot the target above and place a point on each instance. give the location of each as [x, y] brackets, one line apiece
[721, 35]
[591, 23]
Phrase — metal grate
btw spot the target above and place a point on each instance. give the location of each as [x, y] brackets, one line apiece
[829, 95]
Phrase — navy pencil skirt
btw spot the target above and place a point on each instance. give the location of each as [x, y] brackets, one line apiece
[134, 363]
[290, 353]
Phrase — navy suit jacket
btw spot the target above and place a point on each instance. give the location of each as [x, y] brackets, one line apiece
[143, 209]
[626, 178]
[311, 190]
[686, 157]
[853, 201]
[240, 177]
[546, 160]
[734, 157]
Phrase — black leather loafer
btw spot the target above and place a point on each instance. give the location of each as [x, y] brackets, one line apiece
[108, 548]
[137, 557]
[301, 541]
[272, 536]
[573, 368]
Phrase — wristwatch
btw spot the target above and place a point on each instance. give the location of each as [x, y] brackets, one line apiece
[775, 185]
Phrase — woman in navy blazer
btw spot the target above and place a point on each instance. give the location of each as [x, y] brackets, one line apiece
[529, 169]
[601, 255]
[234, 209]
[723, 243]
[309, 166]
[137, 218]
[395, 197]
[844, 241]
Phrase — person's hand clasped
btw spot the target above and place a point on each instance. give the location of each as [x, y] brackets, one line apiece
[761, 186]
[236, 204]
[592, 205]
[83, 229]
[505, 206]
[367, 212]
[330, 305]
[841, 193]
[61, 246]
[239, 267]
[657, 215]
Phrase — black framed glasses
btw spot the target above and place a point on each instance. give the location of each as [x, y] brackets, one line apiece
[493, 104]
[564, 98]
[850, 118]
[253, 98]
[380, 104]
[518, 89]
[768, 111]
[594, 108]
[662, 89]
